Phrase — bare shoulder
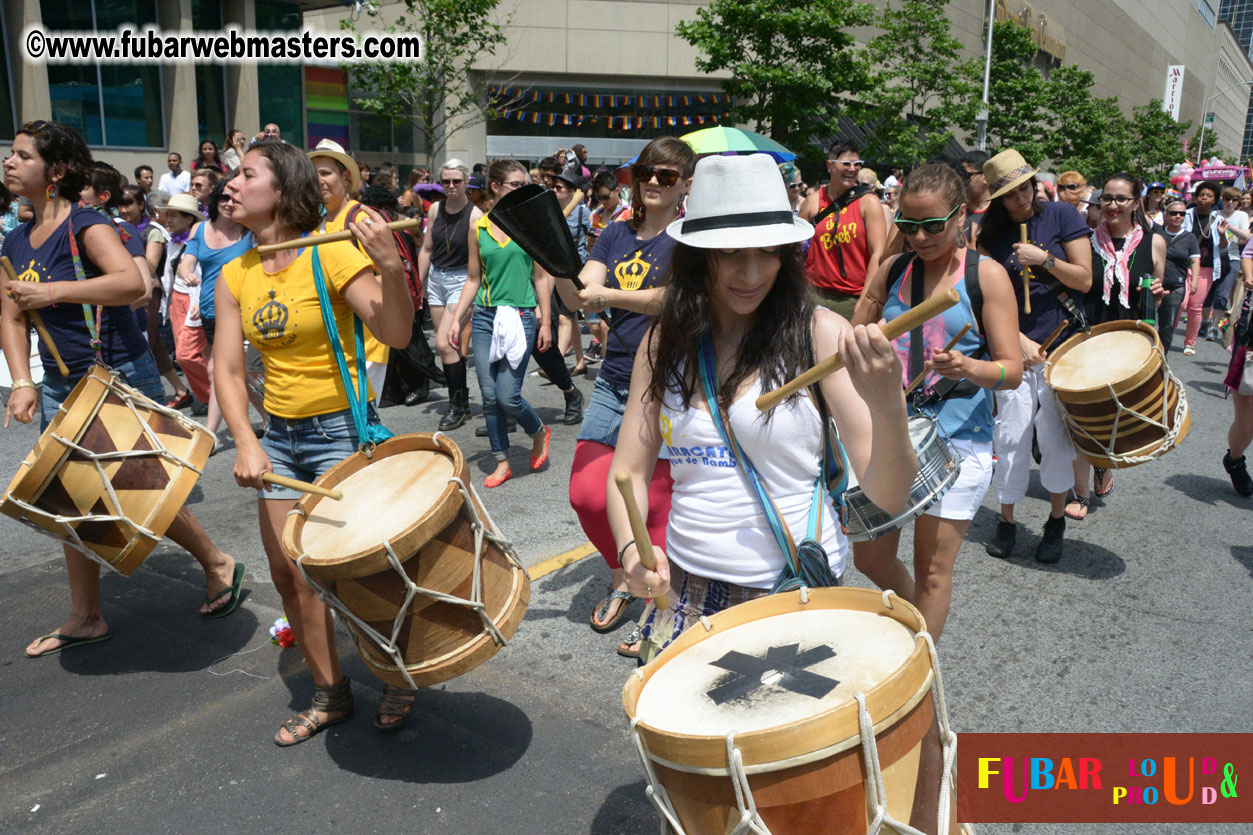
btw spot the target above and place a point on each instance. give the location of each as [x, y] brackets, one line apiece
[809, 206]
[827, 327]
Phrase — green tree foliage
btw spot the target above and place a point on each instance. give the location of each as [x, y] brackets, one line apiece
[1016, 115]
[920, 86]
[790, 62]
[1087, 134]
[443, 92]
[1156, 140]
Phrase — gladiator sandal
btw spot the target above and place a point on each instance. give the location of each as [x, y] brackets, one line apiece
[335, 699]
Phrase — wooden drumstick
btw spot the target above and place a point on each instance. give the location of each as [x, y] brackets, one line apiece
[574, 201]
[904, 323]
[1026, 271]
[37, 321]
[345, 235]
[1057, 331]
[302, 486]
[917, 381]
[639, 530]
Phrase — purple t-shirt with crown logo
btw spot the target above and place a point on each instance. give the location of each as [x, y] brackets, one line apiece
[632, 264]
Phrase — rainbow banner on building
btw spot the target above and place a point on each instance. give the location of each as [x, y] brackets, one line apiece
[326, 105]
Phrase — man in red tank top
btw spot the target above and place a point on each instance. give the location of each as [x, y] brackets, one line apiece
[850, 233]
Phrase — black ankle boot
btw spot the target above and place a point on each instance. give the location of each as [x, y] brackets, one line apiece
[1050, 548]
[1239, 472]
[458, 397]
[574, 407]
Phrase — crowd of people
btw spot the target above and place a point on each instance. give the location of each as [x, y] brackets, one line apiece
[722, 278]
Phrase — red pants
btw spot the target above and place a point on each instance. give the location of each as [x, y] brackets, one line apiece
[191, 349]
[589, 480]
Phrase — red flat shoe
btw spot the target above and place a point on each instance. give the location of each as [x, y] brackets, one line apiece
[536, 463]
[180, 402]
[493, 481]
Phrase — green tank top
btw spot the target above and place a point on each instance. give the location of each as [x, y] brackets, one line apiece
[506, 272]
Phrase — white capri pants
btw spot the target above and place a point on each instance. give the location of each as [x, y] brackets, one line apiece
[1031, 404]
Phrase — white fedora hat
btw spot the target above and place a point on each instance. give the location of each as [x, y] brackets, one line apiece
[331, 148]
[738, 202]
[185, 203]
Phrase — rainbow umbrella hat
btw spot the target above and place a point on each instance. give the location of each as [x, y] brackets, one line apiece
[734, 141]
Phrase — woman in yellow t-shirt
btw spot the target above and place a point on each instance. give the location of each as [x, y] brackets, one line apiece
[271, 299]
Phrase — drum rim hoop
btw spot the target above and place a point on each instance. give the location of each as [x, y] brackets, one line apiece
[1150, 362]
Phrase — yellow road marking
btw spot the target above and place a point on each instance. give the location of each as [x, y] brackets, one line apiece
[551, 564]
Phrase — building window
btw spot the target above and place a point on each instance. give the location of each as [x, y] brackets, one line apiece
[206, 16]
[373, 133]
[1206, 10]
[280, 87]
[115, 105]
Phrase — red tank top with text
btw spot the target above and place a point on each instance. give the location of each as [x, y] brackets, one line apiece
[839, 251]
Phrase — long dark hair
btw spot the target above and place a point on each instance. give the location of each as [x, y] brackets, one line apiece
[1137, 191]
[776, 344]
[997, 223]
[201, 162]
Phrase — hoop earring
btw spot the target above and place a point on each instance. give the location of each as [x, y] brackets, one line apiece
[51, 191]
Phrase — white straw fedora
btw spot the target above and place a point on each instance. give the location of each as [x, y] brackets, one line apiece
[185, 203]
[738, 202]
[331, 148]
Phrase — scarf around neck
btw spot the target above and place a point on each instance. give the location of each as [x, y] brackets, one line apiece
[1116, 263]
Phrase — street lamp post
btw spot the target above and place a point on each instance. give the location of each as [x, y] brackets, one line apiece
[1200, 147]
[982, 118]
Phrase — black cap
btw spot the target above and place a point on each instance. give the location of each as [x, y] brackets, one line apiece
[476, 181]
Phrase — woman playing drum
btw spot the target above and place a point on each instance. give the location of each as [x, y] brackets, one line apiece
[50, 165]
[1050, 273]
[271, 299]
[985, 359]
[738, 294]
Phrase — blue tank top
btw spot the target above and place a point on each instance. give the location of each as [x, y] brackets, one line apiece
[962, 418]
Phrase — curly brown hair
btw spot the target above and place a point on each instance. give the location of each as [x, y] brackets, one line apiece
[296, 181]
[59, 144]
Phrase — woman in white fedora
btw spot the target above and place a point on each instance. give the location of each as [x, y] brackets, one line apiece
[736, 318]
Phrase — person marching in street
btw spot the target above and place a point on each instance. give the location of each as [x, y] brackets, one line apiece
[1239, 383]
[957, 391]
[272, 300]
[1183, 263]
[1154, 194]
[443, 265]
[569, 335]
[79, 276]
[1237, 234]
[1210, 229]
[626, 274]
[850, 232]
[509, 295]
[1059, 257]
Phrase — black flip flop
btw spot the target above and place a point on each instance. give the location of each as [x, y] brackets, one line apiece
[1100, 472]
[236, 585]
[71, 641]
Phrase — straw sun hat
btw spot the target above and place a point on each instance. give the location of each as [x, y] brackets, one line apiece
[736, 203]
[1005, 172]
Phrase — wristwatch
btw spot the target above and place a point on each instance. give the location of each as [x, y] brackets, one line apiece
[1049, 262]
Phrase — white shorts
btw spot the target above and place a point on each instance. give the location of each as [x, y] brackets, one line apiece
[443, 287]
[965, 497]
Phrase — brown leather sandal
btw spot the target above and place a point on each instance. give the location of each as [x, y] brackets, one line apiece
[337, 698]
[396, 701]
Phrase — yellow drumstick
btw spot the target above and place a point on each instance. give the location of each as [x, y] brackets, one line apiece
[574, 201]
[345, 235]
[917, 381]
[302, 486]
[639, 530]
[1026, 272]
[37, 321]
[907, 321]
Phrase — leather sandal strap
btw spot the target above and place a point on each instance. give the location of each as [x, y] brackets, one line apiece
[333, 698]
[305, 719]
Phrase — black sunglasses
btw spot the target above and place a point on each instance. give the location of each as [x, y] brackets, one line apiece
[932, 225]
[605, 198]
[1175, 214]
[451, 182]
[666, 177]
[1068, 186]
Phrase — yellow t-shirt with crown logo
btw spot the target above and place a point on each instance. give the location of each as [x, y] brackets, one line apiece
[375, 351]
[283, 320]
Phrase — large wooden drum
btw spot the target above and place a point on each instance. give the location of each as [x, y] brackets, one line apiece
[426, 583]
[1121, 403]
[773, 713]
[110, 472]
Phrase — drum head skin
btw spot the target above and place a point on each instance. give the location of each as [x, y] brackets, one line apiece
[1102, 359]
[380, 502]
[774, 671]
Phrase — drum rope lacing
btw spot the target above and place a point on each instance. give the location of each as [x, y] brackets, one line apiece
[750, 820]
[482, 530]
[69, 523]
[1172, 431]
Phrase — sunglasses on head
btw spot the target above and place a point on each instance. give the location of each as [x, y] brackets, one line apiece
[932, 225]
[666, 177]
[35, 126]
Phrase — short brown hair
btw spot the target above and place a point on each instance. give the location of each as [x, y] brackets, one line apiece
[1232, 193]
[296, 181]
[664, 150]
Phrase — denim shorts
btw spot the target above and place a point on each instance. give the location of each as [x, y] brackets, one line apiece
[140, 373]
[443, 287]
[602, 419]
[305, 448]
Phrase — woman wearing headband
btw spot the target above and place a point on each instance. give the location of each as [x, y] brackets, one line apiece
[272, 301]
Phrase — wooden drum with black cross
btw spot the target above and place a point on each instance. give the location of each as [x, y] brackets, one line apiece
[818, 711]
[426, 582]
[110, 472]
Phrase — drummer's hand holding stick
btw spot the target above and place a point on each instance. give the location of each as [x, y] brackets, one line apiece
[650, 570]
[14, 289]
[922, 375]
[1032, 355]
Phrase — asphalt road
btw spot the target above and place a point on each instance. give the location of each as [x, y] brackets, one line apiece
[1143, 626]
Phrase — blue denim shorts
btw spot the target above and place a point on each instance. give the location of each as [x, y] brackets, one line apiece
[306, 448]
[602, 419]
[140, 373]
